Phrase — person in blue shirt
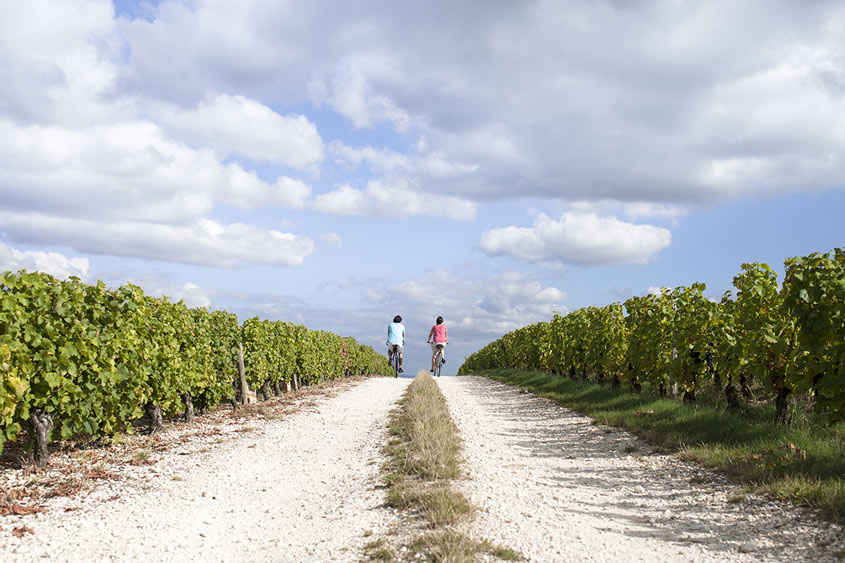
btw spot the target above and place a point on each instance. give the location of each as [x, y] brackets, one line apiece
[396, 340]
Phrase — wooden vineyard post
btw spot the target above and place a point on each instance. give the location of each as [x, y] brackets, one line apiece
[242, 373]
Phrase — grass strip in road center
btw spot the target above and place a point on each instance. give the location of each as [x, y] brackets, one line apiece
[803, 462]
[423, 460]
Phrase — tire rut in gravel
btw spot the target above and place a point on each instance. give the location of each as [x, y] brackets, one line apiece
[305, 488]
[555, 486]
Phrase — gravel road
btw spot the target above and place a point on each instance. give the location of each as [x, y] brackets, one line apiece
[303, 486]
[298, 489]
[558, 488]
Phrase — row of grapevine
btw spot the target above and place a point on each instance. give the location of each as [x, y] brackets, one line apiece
[277, 353]
[789, 337]
[79, 359]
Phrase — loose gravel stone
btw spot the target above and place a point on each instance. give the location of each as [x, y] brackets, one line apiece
[304, 488]
[556, 487]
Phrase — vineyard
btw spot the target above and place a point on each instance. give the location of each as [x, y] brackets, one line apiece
[788, 339]
[85, 360]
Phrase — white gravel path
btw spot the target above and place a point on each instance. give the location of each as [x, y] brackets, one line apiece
[558, 488]
[298, 489]
[305, 488]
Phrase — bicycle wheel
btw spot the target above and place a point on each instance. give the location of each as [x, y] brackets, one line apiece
[395, 363]
[438, 361]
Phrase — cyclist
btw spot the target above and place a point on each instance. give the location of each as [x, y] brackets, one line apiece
[395, 341]
[438, 336]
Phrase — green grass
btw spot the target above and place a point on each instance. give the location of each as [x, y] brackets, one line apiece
[377, 550]
[452, 546]
[424, 442]
[804, 462]
[423, 459]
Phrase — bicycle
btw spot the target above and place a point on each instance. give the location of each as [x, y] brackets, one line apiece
[394, 358]
[438, 359]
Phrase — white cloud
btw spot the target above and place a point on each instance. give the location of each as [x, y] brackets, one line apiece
[192, 294]
[438, 166]
[383, 160]
[578, 239]
[398, 199]
[246, 191]
[350, 93]
[56, 61]
[202, 242]
[236, 125]
[421, 163]
[478, 309]
[127, 189]
[345, 200]
[639, 210]
[52, 263]
[628, 104]
[157, 285]
[333, 239]
[131, 169]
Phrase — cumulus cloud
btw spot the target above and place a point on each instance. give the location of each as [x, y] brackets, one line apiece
[85, 155]
[100, 124]
[57, 60]
[245, 190]
[348, 90]
[53, 263]
[384, 199]
[647, 210]
[131, 169]
[578, 239]
[236, 125]
[332, 239]
[345, 200]
[630, 103]
[158, 285]
[422, 162]
[381, 159]
[192, 294]
[204, 241]
[479, 308]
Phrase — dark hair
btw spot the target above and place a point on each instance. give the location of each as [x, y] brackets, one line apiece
[440, 320]
[397, 319]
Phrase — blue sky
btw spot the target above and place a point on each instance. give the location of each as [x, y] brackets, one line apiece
[335, 164]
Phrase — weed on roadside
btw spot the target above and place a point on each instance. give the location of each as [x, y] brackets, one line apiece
[423, 459]
[803, 462]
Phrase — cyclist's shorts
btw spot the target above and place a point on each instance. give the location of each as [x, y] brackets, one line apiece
[434, 346]
[391, 347]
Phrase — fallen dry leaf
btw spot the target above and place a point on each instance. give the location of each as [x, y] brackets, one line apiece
[101, 474]
[21, 530]
[19, 510]
[137, 462]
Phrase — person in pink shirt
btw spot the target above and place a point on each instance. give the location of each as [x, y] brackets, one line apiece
[438, 335]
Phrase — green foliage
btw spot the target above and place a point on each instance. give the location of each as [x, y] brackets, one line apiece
[791, 338]
[814, 295]
[225, 334]
[94, 357]
[71, 350]
[649, 324]
[691, 317]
